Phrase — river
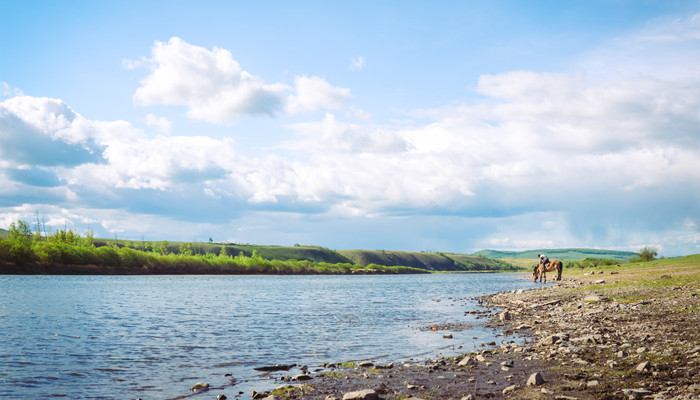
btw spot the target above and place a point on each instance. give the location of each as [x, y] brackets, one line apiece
[153, 337]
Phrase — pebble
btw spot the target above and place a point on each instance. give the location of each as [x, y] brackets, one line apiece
[535, 379]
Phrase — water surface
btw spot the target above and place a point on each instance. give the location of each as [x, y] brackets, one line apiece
[153, 337]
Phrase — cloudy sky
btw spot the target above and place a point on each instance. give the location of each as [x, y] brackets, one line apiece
[398, 125]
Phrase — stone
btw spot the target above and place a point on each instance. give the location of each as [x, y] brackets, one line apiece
[301, 377]
[535, 379]
[467, 361]
[593, 298]
[365, 364]
[643, 366]
[599, 282]
[611, 363]
[220, 397]
[468, 397]
[480, 358]
[509, 389]
[447, 336]
[200, 387]
[367, 394]
[633, 394]
[504, 316]
[592, 384]
[621, 354]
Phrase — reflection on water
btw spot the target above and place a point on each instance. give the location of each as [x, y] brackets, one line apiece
[153, 337]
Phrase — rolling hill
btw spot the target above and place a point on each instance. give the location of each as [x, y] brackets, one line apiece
[561, 254]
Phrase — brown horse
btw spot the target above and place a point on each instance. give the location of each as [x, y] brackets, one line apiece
[540, 270]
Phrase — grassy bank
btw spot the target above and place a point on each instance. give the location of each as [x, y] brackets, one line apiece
[65, 252]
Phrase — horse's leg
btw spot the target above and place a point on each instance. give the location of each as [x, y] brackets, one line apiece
[559, 270]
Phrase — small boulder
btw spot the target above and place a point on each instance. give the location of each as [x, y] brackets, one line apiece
[593, 298]
[200, 387]
[301, 377]
[447, 336]
[535, 379]
[367, 394]
[504, 316]
[643, 366]
[633, 394]
[467, 361]
[509, 389]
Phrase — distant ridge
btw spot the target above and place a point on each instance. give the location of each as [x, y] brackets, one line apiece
[562, 254]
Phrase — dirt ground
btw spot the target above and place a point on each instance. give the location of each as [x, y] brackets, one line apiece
[592, 336]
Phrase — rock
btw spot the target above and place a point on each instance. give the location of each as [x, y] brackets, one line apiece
[643, 366]
[331, 397]
[665, 276]
[599, 282]
[593, 298]
[535, 379]
[468, 397]
[509, 389]
[562, 397]
[611, 363]
[633, 394]
[200, 387]
[641, 350]
[480, 358]
[504, 316]
[621, 354]
[301, 377]
[447, 336]
[255, 395]
[365, 364]
[467, 361]
[592, 384]
[550, 339]
[221, 397]
[367, 394]
[386, 366]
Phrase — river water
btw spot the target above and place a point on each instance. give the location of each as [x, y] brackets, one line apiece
[153, 337]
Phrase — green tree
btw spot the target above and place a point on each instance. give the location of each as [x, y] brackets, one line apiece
[19, 247]
[648, 253]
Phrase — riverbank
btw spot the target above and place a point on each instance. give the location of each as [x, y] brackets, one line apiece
[620, 332]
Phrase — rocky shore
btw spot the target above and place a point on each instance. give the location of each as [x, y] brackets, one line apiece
[598, 335]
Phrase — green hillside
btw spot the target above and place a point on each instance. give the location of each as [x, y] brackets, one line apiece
[426, 261]
[561, 254]
[429, 261]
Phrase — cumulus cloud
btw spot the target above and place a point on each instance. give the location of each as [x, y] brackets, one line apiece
[161, 123]
[215, 88]
[314, 93]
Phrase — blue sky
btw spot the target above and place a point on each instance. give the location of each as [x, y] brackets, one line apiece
[450, 125]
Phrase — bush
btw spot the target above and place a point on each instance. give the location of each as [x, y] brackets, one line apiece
[648, 253]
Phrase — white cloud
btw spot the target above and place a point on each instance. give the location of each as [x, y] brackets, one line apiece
[315, 93]
[162, 123]
[214, 87]
[357, 63]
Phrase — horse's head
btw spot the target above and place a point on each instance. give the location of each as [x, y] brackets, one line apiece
[535, 273]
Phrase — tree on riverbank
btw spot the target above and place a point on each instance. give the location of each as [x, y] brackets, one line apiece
[66, 252]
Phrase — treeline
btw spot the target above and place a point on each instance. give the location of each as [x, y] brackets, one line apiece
[66, 252]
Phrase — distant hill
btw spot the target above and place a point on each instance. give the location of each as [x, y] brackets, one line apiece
[427, 261]
[430, 261]
[562, 254]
